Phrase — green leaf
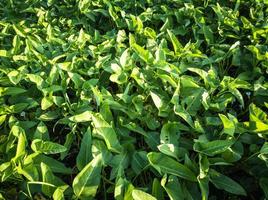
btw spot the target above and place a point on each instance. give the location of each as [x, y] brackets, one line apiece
[86, 183]
[264, 185]
[238, 95]
[41, 132]
[107, 132]
[46, 103]
[157, 100]
[165, 164]
[170, 133]
[140, 195]
[14, 77]
[225, 183]
[177, 46]
[83, 117]
[11, 91]
[124, 58]
[22, 143]
[157, 190]
[69, 139]
[59, 192]
[47, 147]
[36, 79]
[139, 161]
[228, 125]
[145, 55]
[179, 110]
[48, 116]
[208, 34]
[170, 150]
[214, 147]
[4, 53]
[204, 187]
[173, 187]
[55, 166]
[47, 177]
[85, 155]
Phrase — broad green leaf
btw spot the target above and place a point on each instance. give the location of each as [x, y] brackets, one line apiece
[86, 183]
[257, 114]
[55, 166]
[124, 58]
[2, 119]
[264, 152]
[228, 125]
[144, 54]
[173, 187]
[46, 103]
[41, 132]
[30, 172]
[256, 127]
[225, 183]
[238, 95]
[170, 133]
[47, 147]
[157, 100]
[47, 177]
[214, 147]
[140, 195]
[83, 117]
[48, 116]
[11, 91]
[59, 192]
[14, 76]
[38, 80]
[139, 161]
[107, 132]
[119, 163]
[165, 164]
[170, 150]
[179, 110]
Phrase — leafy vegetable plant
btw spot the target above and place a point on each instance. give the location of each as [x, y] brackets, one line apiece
[134, 100]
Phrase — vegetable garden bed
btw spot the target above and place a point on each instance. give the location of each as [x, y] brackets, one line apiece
[137, 99]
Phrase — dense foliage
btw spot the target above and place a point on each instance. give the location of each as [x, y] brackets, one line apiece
[137, 99]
